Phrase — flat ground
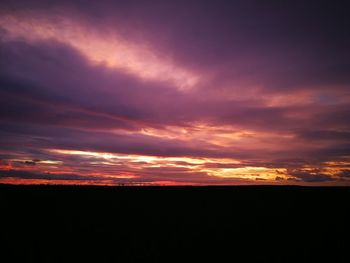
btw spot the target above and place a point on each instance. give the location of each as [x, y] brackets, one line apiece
[174, 224]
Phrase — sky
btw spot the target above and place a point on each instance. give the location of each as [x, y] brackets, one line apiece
[175, 92]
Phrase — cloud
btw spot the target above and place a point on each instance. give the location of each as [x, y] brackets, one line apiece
[46, 176]
[328, 135]
[313, 175]
[344, 173]
[279, 178]
[259, 85]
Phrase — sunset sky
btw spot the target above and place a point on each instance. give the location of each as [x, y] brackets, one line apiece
[175, 92]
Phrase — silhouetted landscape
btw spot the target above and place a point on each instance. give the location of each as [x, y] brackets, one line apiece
[174, 131]
[174, 224]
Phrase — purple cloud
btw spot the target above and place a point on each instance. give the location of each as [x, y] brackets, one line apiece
[238, 92]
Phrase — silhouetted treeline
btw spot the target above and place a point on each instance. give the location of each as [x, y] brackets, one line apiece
[174, 224]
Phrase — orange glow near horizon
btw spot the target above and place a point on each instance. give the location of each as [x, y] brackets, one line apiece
[135, 167]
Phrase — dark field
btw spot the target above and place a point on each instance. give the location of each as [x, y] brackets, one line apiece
[174, 224]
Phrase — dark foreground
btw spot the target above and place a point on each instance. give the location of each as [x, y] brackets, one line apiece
[174, 224]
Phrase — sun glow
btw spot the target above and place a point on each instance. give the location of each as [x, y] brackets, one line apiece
[210, 166]
[131, 169]
[144, 158]
[247, 172]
